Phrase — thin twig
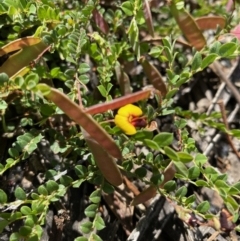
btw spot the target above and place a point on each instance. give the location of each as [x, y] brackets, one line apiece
[224, 117]
[43, 52]
[214, 236]
[217, 137]
[79, 94]
[217, 68]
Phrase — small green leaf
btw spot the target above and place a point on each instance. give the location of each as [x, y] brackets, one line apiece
[143, 134]
[19, 81]
[196, 62]
[151, 144]
[84, 78]
[227, 49]
[83, 68]
[201, 183]
[141, 172]
[15, 237]
[156, 51]
[3, 104]
[223, 177]
[3, 78]
[3, 224]
[193, 172]
[102, 90]
[221, 184]
[163, 139]
[233, 191]
[81, 239]
[200, 159]
[99, 223]
[180, 123]
[77, 183]
[66, 180]
[190, 200]
[42, 190]
[54, 72]
[170, 186]
[184, 157]
[181, 192]
[203, 207]
[13, 152]
[236, 133]
[210, 170]
[31, 81]
[235, 217]
[44, 89]
[20, 194]
[237, 186]
[95, 237]
[214, 48]
[171, 153]
[133, 34]
[51, 186]
[91, 210]
[25, 210]
[157, 179]
[127, 8]
[30, 221]
[95, 197]
[3, 197]
[109, 87]
[80, 170]
[33, 238]
[234, 204]
[181, 168]
[25, 231]
[86, 227]
[108, 188]
[209, 59]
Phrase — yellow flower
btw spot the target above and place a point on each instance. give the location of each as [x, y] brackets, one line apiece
[128, 118]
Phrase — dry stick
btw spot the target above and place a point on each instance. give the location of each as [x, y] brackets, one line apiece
[214, 236]
[43, 52]
[131, 186]
[217, 96]
[217, 68]
[79, 95]
[217, 137]
[224, 117]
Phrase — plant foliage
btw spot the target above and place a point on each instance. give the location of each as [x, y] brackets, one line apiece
[74, 58]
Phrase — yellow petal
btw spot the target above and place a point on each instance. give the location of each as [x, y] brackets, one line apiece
[130, 110]
[123, 123]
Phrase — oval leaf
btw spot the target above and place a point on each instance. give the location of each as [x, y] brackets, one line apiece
[104, 161]
[154, 76]
[144, 196]
[188, 26]
[163, 139]
[210, 22]
[203, 207]
[227, 49]
[20, 194]
[193, 172]
[184, 157]
[3, 197]
[99, 223]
